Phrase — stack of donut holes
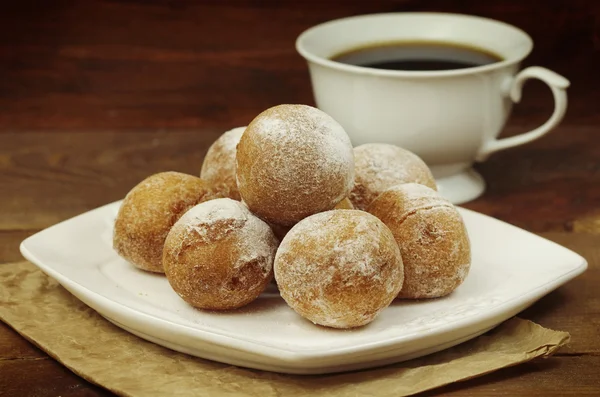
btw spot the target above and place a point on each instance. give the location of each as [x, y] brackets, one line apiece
[344, 231]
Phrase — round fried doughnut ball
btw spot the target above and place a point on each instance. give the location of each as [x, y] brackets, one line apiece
[432, 237]
[339, 268]
[380, 166]
[218, 167]
[219, 256]
[293, 161]
[148, 212]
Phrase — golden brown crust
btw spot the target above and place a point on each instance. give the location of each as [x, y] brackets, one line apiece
[432, 238]
[218, 167]
[339, 268]
[219, 256]
[148, 212]
[293, 161]
[379, 166]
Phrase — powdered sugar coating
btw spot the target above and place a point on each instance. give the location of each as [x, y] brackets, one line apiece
[218, 167]
[148, 212]
[219, 255]
[202, 219]
[339, 268]
[216, 210]
[294, 161]
[380, 166]
[432, 238]
[415, 197]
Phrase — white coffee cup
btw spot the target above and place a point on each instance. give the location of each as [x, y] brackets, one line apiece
[450, 118]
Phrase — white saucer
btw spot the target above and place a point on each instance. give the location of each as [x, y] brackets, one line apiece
[462, 187]
[511, 269]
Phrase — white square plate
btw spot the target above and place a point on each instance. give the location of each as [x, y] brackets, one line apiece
[511, 269]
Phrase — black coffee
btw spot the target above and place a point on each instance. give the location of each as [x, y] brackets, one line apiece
[415, 55]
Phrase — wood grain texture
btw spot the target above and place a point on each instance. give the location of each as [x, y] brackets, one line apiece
[575, 307]
[186, 64]
[547, 185]
[556, 376]
[43, 378]
[27, 371]
[54, 176]
[9, 244]
[14, 347]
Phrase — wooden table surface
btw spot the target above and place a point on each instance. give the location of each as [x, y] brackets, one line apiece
[96, 95]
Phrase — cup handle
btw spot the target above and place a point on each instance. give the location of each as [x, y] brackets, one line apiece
[557, 83]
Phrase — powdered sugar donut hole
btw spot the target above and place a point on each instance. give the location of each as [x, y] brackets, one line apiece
[219, 256]
[293, 161]
[380, 166]
[339, 268]
[432, 237]
[218, 167]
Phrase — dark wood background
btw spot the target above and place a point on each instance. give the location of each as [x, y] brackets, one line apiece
[194, 64]
[96, 95]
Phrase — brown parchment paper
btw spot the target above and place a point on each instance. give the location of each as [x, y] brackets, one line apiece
[42, 311]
